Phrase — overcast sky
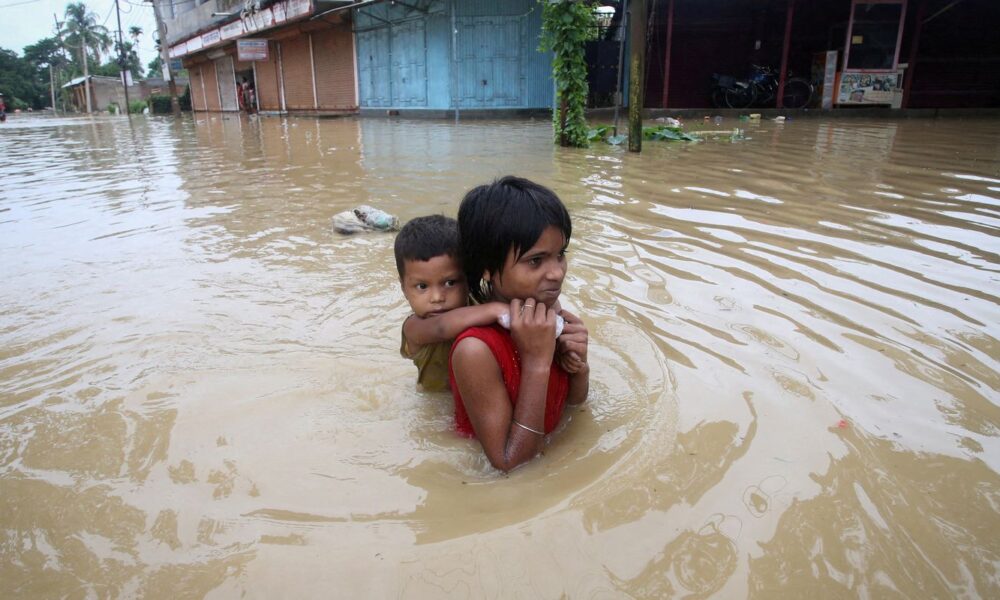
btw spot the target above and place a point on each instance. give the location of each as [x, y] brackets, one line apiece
[27, 21]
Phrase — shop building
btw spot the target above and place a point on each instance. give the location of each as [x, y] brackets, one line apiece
[292, 56]
[889, 53]
[104, 92]
[451, 55]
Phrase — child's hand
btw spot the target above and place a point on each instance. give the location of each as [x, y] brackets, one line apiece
[569, 363]
[500, 309]
[533, 327]
[573, 343]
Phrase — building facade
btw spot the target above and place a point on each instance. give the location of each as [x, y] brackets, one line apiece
[452, 55]
[104, 92]
[911, 53]
[302, 61]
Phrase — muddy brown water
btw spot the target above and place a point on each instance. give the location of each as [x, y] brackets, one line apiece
[794, 342]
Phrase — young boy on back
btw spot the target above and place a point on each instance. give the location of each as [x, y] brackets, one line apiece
[434, 284]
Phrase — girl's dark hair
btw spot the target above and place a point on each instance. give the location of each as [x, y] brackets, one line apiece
[424, 238]
[509, 214]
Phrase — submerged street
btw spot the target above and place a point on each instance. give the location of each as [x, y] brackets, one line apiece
[795, 342]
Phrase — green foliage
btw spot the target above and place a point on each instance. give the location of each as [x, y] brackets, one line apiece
[599, 132]
[185, 100]
[136, 106]
[15, 103]
[45, 52]
[81, 32]
[114, 109]
[159, 104]
[566, 25]
[23, 83]
[108, 69]
[667, 133]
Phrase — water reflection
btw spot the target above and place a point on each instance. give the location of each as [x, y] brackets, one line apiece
[794, 344]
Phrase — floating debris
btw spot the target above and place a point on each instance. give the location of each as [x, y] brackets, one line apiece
[364, 218]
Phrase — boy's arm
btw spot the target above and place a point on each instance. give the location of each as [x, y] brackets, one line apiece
[447, 326]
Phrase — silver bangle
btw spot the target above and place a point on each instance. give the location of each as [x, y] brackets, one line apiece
[525, 427]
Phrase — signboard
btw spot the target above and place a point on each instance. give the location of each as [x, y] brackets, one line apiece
[278, 8]
[251, 49]
[275, 14]
[232, 30]
[175, 65]
[867, 88]
[259, 20]
[212, 37]
[295, 8]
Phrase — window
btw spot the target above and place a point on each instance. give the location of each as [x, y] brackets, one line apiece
[873, 38]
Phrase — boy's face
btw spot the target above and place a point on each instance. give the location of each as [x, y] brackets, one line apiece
[434, 286]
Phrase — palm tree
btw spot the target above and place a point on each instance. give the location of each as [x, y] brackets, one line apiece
[82, 32]
[134, 32]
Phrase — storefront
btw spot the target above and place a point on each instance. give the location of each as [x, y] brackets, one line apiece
[301, 63]
[871, 73]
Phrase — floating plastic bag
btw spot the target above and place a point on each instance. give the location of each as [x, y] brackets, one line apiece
[364, 218]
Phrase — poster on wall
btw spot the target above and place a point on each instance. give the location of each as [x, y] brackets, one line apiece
[868, 88]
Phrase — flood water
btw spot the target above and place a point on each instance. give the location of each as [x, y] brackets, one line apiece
[794, 345]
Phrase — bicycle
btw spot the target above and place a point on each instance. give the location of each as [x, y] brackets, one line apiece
[729, 92]
[764, 80]
[760, 89]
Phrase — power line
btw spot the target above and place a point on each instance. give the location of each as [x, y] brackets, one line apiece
[107, 16]
[19, 3]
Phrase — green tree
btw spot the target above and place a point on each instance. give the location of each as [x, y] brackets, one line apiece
[45, 52]
[566, 25]
[43, 55]
[155, 67]
[81, 32]
[19, 82]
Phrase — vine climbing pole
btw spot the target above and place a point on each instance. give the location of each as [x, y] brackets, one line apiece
[636, 69]
[566, 25]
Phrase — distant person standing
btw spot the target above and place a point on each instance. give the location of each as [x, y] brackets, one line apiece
[247, 100]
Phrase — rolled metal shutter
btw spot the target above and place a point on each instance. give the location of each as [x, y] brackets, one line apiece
[268, 83]
[333, 54]
[297, 66]
[211, 83]
[197, 84]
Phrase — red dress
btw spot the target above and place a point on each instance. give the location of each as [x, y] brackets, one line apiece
[504, 350]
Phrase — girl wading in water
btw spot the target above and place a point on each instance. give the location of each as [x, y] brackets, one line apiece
[510, 387]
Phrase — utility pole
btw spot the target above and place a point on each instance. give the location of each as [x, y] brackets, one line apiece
[121, 60]
[636, 59]
[161, 31]
[52, 88]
